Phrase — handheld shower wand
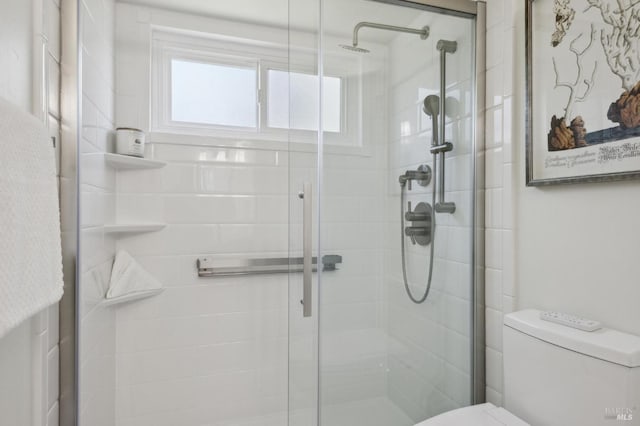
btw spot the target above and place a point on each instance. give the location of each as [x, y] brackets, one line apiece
[431, 107]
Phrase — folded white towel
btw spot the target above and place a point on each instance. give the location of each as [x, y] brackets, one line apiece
[30, 250]
[129, 281]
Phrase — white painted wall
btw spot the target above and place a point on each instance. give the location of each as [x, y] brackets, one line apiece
[576, 246]
[29, 354]
[568, 248]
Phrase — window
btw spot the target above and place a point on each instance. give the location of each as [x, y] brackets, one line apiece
[213, 94]
[303, 99]
[209, 87]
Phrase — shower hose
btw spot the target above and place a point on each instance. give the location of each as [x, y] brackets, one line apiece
[433, 242]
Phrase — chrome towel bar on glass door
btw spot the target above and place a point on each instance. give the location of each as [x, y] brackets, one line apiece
[208, 267]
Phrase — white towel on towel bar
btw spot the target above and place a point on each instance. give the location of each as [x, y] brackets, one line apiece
[129, 281]
[30, 250]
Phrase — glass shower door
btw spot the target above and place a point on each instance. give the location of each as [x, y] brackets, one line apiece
[303, 88]
[383, 359]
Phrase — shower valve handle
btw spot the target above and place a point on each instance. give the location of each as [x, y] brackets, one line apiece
[422, 176]
[416, 216]
[411, 237]
[416, 231]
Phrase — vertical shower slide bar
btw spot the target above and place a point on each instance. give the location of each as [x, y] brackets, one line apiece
[444, 46]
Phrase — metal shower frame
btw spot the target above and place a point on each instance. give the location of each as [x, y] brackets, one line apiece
[72, 116]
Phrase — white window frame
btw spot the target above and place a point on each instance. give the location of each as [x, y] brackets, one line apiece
[161, 103]
[167, 104]
[167, 46]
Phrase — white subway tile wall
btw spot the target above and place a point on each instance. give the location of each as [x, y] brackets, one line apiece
[97, 332]
[353, 337]
[227, 338]
[499, 207]
[204, 341]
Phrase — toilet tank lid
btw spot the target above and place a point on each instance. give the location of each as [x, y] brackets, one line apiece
[606, 344]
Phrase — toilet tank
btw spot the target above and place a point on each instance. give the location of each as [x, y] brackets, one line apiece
[557, 375]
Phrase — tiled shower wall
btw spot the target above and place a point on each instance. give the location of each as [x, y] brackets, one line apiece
[225, 340]
[206, 350]
[353, 352]
[429, 355]
[97, 208]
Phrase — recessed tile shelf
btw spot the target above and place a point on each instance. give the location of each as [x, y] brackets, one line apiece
[126, 162]
[133, 228]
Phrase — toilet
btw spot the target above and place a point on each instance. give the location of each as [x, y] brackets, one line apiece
[558, 375]
[476, 415]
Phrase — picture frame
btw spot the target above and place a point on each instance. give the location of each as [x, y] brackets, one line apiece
[581, 63]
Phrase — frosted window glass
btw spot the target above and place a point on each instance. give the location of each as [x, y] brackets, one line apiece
[303, 101]
[213, 94]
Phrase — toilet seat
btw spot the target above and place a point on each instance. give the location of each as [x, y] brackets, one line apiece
[475, 415]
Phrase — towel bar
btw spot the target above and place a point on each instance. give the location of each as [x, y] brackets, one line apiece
[228, 267]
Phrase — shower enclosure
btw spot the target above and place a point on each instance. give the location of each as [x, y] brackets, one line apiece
[310, 200]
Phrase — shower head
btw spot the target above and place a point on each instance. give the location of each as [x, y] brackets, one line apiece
[431, 105]
[422, 32]
[354, 48]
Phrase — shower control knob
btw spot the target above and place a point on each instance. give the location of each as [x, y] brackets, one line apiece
[416, 216]
[416, 231]
[420, 219]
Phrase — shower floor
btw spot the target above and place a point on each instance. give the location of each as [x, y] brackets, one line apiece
[368, 412]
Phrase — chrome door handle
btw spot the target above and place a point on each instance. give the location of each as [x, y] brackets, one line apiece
[307, 259]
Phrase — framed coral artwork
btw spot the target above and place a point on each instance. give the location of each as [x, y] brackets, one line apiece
[583, 90]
